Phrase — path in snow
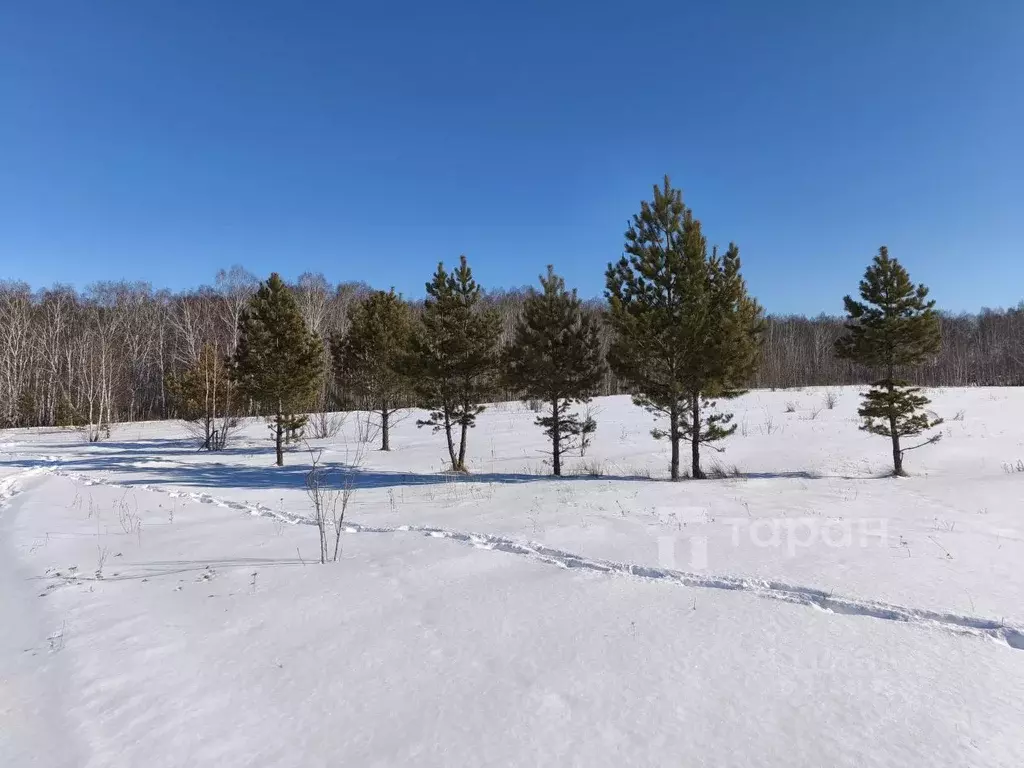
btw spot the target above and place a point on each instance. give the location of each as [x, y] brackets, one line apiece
[1011, 635]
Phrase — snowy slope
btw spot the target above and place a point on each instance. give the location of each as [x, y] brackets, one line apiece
[161, 607]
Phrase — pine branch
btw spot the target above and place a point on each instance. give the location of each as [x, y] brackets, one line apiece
[931, 440]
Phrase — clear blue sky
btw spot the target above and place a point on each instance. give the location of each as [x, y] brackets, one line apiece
[156, 140]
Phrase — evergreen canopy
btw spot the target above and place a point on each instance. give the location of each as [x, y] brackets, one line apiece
[686, 331]
[893, 328]
[370, 360]
[278, 362]
[556, 357]
[455, 356]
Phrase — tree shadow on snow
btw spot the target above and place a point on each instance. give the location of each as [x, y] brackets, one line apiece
[797, 475]
[155, 462]
[156, 448]
[141, 467]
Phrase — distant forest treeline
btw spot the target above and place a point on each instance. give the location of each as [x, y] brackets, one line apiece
[107, 353]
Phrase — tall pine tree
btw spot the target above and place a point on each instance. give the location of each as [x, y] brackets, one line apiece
[278, 362]
[686, 331]
[556, 357]
[892, 329]
[370, 359]
[455, 356]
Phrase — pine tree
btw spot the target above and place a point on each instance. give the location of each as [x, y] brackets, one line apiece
[893, 328]
[370, 360]
[277, 362]
[555, 357]
[201, 394]
[454, 356]
[686, 331]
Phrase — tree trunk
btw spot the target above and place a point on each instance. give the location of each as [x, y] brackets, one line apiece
[462, 445]
[556, 442]
[695, 439]
[279, 435]
[674, 438]
[451, 440]
[385, 442]
[897, 454]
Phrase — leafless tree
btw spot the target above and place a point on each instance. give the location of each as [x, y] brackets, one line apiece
[16, 352]
[330, 500]
[235, 287]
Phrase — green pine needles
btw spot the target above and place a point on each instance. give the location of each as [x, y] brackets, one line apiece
[556, 358]
[454, 357]
[681, 334]
[278, 363]
[370, 359]
[892, 329]
[686, 331]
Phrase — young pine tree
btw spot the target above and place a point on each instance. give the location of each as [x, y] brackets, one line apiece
[370, 359]
[277, 362]
[555, 357]
[201, 394]
[893, 328]
[454, 356]
[686, 331]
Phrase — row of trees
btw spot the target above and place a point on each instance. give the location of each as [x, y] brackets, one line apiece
[677, 330]
[109, 354]
[684, 333]
[448, 359]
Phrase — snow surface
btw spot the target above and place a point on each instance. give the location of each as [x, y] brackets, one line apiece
[806, 612]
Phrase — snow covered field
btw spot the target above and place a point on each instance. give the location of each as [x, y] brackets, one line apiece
[162, 607]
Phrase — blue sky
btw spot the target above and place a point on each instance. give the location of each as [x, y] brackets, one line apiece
[162, 141]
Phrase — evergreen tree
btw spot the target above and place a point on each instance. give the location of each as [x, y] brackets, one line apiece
[370, 359]
[201, 394]
[277, 362]
[686, 331]
[893, 328]
[454, 356]
[556, 358]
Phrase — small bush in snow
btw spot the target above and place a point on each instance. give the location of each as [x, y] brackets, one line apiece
[720, 471]
[588, 428]
[94, 433]
[325, 424]
[331, 502]
[831, 398]
[591, 469]
[367, 430]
